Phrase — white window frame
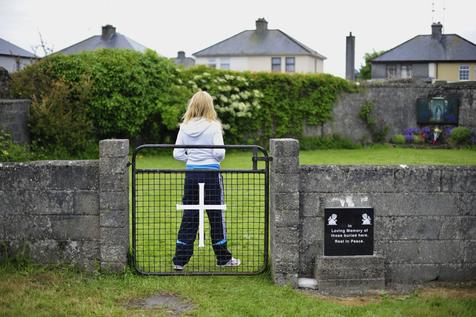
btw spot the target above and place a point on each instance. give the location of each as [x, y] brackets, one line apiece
[394, 75]
[432, 70]
[272, 64]
[408, 71]
[293, 64]
[225, 66]
[466, 70]
[212, 63]
[224, 63]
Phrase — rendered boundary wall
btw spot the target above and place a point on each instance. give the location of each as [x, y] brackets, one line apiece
[68, 212]
[425, 216]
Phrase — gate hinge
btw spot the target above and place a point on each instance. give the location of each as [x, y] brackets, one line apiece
[129, 164]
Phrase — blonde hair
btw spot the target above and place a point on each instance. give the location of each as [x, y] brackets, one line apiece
[200, 106]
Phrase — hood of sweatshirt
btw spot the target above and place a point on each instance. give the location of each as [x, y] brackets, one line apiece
[195, 127]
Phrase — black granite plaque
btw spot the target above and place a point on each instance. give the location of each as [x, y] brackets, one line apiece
[349, 231]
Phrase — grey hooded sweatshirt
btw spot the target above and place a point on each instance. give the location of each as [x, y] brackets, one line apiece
[200, 131]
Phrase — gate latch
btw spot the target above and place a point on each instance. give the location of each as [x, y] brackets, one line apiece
[257, 158]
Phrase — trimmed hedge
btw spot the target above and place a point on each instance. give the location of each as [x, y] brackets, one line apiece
[78, 99]
[460, 136]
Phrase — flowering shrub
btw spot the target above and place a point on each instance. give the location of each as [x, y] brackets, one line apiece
[410, 134]
[426, 133]
[447, 132]
[257, 106]
[235, 101]
[435, 135]
[409, 138]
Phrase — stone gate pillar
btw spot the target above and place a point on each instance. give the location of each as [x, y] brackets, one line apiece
[113, 204]
[284, 210]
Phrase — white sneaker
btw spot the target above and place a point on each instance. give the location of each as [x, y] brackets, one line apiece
[232, 262]
[177, 267]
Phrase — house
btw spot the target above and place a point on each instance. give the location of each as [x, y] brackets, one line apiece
[436, 56]
[182, 60]
[261, 49]
[109, 38]
[14, 58]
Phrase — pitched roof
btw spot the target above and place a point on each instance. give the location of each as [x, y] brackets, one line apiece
[112, 39]
[253, 42]
[10, 49]
[424, 48]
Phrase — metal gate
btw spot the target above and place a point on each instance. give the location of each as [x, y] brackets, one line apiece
[157, 210]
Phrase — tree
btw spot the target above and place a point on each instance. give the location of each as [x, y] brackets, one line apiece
[365, 71]
[44, 46]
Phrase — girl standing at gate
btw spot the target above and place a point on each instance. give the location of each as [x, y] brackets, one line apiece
[201, 127]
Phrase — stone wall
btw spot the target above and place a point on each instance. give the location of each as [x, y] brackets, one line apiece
[395, 103]
[425, 216]
[68, 212]
[14, 116]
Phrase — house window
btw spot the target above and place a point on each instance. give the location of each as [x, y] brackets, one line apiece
[290, 64]
[391, 71]
[225, 65]
[276, 64]
[18, 63]
[212, 63]
[464, 72]
[406, 71]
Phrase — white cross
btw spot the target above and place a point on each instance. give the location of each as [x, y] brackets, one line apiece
[201, 208]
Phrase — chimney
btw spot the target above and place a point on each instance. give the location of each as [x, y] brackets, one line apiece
[181, 55]
[436, 31]
[261, 25]
[108, 31]
[350, 57]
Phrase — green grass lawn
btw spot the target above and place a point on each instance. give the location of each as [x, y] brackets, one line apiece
[33, 291]
[378, 155]
[36, 291]
[390, 156]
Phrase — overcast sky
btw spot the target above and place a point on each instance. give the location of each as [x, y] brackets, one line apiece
[191, 25]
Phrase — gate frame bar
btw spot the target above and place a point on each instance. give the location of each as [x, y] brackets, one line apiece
[266, 158]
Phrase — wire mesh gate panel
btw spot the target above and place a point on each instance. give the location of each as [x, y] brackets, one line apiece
[162, 202]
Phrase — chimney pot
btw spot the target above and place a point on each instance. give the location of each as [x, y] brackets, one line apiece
[108, 31]
[261, 25]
